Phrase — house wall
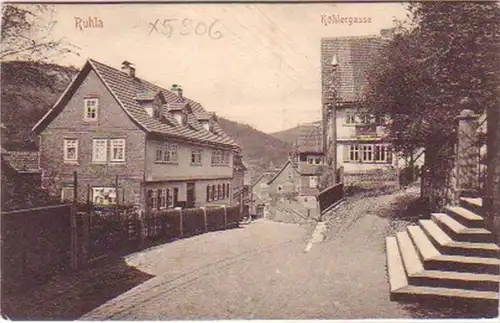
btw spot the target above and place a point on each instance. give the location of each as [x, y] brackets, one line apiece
[260, 189]
[112, 123]
[183, 169]
[305, 189]
[288, 180]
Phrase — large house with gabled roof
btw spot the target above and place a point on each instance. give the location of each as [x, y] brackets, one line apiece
[133, 142]
[352, 139]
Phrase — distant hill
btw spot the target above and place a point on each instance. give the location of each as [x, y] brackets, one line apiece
[289, 135]
[261, 151]
[28, 91]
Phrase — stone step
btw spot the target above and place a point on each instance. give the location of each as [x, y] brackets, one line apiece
[473, 204]
[395, 269]
[465, 217]
[401, 291]
[446, 245]
[458, 232]
[417, 275]
[409, 255]
[413, 293]
[432, 259]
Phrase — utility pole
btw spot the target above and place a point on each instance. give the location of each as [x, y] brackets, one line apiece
[332, 115]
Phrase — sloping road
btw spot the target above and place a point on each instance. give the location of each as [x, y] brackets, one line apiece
[262, 271]
[257, 272]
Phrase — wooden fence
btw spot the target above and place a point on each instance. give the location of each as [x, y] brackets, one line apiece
[38, 243]
[35, 244]
[330, 196]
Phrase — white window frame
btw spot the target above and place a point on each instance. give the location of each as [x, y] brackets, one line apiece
[169, 154]
[170, 196]
[86, 102]
[197, 155]
[67, 143]
[354, 150]
[163, 198]
[159, 155]
[367, 153]
[113, 143]
[313, 181]
[95, 143]
[154, 199]
[384, 153]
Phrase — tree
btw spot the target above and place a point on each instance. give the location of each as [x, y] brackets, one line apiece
[446, 58]
[27, 34]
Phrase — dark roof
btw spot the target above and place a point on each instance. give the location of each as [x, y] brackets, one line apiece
[126, 89]
[354, 56]
[281, 169]
[310, 138]
[267, 175]
[22, 161]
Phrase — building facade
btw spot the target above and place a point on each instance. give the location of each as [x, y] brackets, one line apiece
[354, 140]
[132, 142]
[309, 158]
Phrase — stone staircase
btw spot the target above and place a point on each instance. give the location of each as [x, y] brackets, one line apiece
[451, 257]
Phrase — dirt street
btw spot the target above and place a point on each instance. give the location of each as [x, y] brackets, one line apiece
[261, 271]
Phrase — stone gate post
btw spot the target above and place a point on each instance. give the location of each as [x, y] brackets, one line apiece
[467, 158]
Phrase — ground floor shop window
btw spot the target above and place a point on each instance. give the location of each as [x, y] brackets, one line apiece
[162, 198]
[104, 195]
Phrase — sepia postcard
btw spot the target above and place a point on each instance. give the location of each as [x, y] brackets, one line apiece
[295, 160]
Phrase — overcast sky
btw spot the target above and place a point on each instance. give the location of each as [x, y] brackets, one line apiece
[263, 68]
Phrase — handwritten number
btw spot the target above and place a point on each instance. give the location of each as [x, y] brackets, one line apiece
[168, 26]
[215, 34]
[186, 23]
[203, 30]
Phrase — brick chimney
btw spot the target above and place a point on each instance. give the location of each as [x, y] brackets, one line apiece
[177, 89]
[128, 68]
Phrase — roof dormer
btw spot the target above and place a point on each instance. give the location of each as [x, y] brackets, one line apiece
[151, 102]
[179, 110]
[204, 119]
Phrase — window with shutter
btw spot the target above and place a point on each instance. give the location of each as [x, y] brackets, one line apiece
[176, 196]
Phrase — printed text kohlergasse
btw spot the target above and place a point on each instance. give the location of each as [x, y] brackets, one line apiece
[338, 19]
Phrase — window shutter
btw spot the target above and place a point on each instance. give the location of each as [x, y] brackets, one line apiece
[149, 202]
[345, 152]
[176, 196]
